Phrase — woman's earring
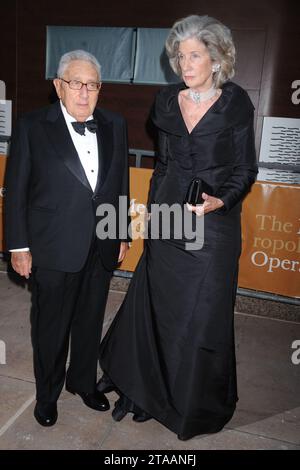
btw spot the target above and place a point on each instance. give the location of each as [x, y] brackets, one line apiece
[216, 67]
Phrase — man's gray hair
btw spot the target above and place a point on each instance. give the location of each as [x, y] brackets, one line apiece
[214, 35]
[78, 54]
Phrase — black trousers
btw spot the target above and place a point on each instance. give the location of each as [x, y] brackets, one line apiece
[67, 306]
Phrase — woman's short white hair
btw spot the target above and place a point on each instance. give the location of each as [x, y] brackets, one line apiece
[78, 54]
[213, 34]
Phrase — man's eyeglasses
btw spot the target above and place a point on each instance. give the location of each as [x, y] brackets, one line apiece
[77, 85]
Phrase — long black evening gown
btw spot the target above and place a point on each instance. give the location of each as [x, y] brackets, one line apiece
[170, 348]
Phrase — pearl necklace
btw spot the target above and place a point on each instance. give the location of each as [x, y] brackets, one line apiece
[197, 97]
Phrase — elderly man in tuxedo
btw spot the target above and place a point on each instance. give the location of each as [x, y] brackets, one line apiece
[65, 161]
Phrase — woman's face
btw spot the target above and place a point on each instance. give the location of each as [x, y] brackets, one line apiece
[195, 63]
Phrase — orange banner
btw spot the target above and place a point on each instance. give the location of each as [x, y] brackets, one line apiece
[270, 259]
[2, 173]
[139, 188]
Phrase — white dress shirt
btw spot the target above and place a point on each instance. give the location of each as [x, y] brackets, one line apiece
[87, 149]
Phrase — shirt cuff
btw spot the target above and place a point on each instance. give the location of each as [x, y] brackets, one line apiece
[19, 249]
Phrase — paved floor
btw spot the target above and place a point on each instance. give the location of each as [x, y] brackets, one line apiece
[267, 417]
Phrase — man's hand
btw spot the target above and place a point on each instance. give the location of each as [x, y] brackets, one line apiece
[21, 262]
[123, 250]
[210, 204]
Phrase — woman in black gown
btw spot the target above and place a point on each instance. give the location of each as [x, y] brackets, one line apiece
[170, 350]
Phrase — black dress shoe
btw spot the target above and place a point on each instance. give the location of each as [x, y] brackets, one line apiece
[96, 401]
[105, 385]
[119, 412]
[141, 417]
[45, 414]
[182, 437]
[186, 437]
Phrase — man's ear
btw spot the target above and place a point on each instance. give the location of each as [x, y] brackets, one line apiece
[57, 85]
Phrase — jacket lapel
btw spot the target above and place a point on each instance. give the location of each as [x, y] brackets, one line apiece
[61, 140]
[105, 147]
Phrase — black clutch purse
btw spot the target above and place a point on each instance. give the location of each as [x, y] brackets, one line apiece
[195, 190]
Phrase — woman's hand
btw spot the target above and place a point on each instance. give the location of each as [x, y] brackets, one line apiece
[210, 204]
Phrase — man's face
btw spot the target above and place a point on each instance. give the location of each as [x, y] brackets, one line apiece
[79, 103]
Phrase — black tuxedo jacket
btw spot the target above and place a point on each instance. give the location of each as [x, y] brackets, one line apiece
[50, 206]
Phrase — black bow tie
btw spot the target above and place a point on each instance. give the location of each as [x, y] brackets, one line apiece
[79, 127]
